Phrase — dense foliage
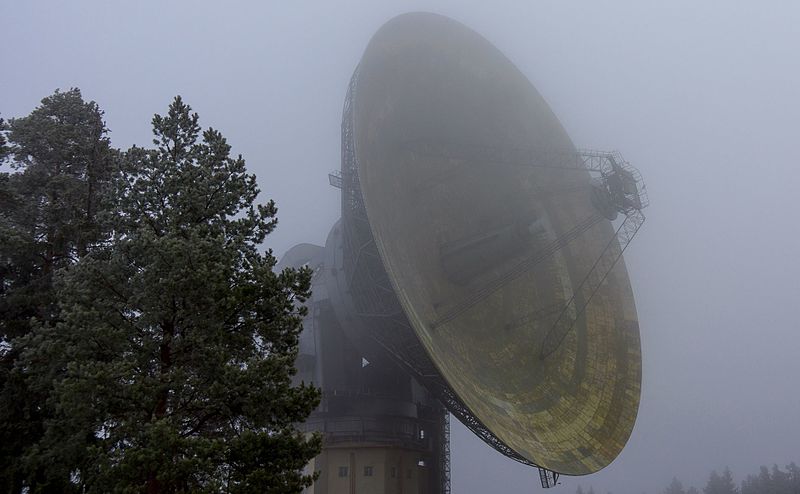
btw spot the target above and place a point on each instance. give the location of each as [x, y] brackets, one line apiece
[51, 205]
[163, 361]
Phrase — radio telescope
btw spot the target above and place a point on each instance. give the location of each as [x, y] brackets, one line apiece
[477, 269]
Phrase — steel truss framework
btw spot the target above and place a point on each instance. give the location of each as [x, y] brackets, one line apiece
[444, 458]
[378, 307]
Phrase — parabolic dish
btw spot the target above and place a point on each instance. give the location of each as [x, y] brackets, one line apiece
[437, 111]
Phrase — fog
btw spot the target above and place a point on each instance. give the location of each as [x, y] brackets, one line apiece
[702, 97]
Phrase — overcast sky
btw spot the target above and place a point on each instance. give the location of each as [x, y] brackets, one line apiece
[702, 96]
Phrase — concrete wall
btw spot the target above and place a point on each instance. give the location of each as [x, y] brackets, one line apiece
[369, 470]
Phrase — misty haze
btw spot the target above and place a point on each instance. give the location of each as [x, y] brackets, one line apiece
[701, 98]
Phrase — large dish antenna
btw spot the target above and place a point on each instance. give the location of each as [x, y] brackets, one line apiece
[482, 251]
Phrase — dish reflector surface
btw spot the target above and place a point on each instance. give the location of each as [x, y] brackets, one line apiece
[466, 237]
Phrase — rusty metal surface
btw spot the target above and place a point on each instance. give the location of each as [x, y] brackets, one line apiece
[427, 85]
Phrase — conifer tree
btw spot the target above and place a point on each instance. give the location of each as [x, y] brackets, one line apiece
[675, 487]
[51, 200]
[4, 151]
[793, 473]
[720, 484]
[175, 343]
[775, 481]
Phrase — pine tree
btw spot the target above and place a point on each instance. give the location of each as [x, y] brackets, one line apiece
[765, 480]
[793, 474]
[780, 481]
[4, 150]
[175, 343]
[50, 208]
[774, 481]
[675, 487]
[720, 484]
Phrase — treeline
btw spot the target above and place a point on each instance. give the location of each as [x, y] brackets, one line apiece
[767, 481]
[146, 344]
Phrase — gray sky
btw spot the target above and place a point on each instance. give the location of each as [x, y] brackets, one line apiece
[703, 97]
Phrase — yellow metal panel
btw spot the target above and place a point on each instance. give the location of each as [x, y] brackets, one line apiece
[427, 79]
